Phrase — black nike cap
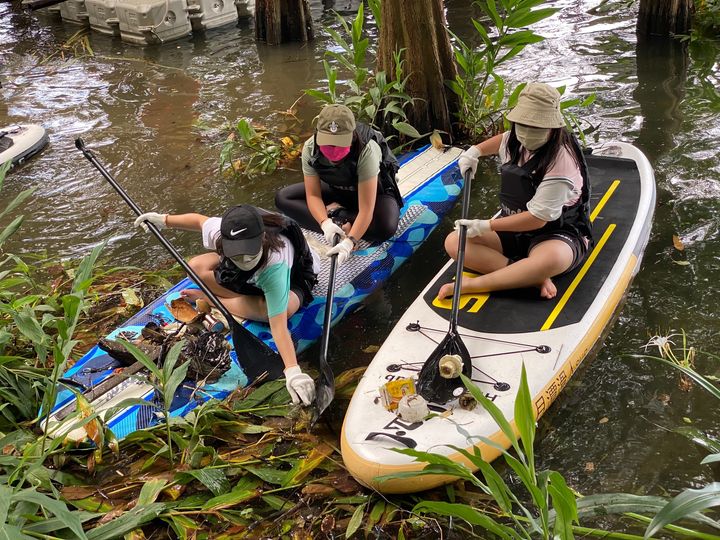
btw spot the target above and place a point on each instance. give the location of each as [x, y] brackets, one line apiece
[241, 230]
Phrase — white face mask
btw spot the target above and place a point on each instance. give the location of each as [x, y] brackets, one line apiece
[246, 262]
[531, 138]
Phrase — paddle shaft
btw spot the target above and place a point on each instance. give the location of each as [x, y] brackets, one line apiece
[326, 384]
[462, 237]
[80, 144]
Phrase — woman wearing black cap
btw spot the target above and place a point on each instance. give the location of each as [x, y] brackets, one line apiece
[261, 269]
[349, 185]
[544, 227]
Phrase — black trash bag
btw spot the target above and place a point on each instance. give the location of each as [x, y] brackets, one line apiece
[431, 384]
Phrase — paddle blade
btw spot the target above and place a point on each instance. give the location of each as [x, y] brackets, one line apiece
[431, 384]
[254, 356]
[324, 390]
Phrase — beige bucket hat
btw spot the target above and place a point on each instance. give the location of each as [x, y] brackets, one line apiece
[538, 106]
[335, 126]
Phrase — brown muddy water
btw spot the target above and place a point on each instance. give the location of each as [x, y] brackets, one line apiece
[157, 115]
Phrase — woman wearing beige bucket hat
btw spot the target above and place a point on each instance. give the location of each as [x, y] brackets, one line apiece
[543, 229]
[348, 186]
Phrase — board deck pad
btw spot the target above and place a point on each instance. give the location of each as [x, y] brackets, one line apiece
[504, 331]
[430, 183]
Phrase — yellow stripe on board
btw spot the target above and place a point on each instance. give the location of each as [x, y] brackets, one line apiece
[604, 200]
[588, 263]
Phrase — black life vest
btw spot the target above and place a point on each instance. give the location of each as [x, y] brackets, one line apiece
[344, 175]
[518, 185]
[302, 274]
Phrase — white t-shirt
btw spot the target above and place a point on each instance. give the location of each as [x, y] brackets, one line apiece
[274, 277]
[561, 186]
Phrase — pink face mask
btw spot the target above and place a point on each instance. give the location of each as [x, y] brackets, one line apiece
[334, 153]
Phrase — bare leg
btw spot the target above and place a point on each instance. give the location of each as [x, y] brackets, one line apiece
[240, 305]
[482, 254]
[545, 260]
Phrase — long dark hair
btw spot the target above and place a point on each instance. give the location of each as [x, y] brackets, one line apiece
[271, 238]
[547, 153]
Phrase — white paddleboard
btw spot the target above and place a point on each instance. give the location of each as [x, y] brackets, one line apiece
[19, 143]
[503, 331]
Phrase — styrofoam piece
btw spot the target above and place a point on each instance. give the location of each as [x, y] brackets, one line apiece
[206, 14]
[103, 17]
[152, 21]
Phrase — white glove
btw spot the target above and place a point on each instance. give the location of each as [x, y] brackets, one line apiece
[299, 385]
[468, 160]
[330, 229]
[475, 227]
[342, 249]
[159, 220]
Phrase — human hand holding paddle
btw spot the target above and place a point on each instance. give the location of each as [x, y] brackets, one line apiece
[330, 229]
[159, 220]
[342, 250]
[475, 227]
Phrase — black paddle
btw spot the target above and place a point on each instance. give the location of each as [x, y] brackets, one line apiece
[431, 384]
[255, 357]
[325, 387]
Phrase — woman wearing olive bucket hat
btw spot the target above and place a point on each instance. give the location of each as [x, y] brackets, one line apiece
[543, 229]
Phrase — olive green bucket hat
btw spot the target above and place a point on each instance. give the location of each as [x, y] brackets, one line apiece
[335, 126]
[538, 106]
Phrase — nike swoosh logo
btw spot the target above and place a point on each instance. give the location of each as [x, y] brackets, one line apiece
[235, 233]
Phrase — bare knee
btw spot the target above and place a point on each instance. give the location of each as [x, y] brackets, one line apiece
[451, 244]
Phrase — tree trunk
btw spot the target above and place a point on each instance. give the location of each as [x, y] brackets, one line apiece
[419, 28]
[279, 21]
[664, 17]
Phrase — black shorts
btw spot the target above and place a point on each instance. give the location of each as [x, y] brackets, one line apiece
[517, 246]
[300, 295]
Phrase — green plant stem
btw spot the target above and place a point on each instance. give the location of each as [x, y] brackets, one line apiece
[689, 533]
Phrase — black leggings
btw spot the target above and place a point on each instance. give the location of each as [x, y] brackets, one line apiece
[291, 201]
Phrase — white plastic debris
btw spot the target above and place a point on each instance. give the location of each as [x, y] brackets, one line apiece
[413, 408]
[450, 366]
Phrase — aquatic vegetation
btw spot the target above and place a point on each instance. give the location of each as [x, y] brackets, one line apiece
[262, 150]
[375, 97]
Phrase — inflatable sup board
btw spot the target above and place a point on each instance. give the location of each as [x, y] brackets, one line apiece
[20, 142]
[430, 183]
[503, 331]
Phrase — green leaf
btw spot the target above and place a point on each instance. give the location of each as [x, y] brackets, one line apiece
[150, 491]
[525, 417]
[84, 270]
[58, 508]
[407, 129]
[525, 17]
[685, 504]
[467, 513]
[10, 229]
[713, 458]
[355, 520]
[213, 479]
[127, 522]
[141, 357]
[17, 201]
[494, 412]
[234, 498]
